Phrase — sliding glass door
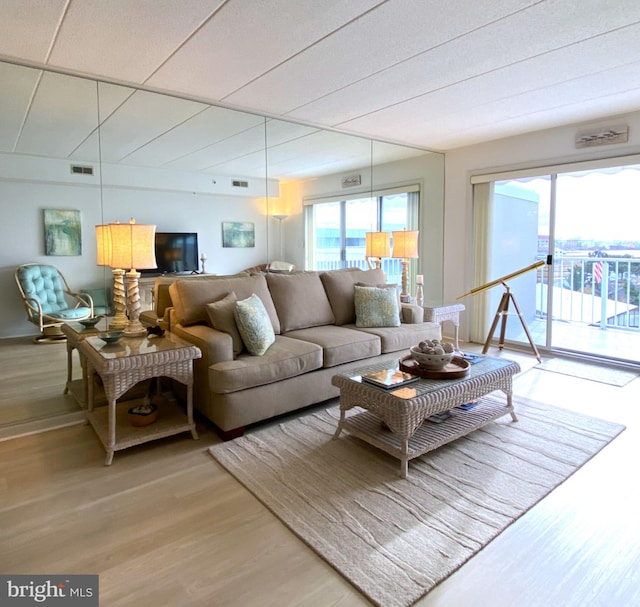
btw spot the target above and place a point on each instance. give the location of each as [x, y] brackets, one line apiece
[585, 222]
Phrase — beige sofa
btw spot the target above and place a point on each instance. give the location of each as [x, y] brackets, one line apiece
[314, 321]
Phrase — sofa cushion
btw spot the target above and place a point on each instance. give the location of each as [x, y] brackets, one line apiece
[394, 339]
[377, 307]
[254, 325]
[300, 300]
[339, 287]
[339, 344]
[222, 316]
[284, 359]
[189, 297]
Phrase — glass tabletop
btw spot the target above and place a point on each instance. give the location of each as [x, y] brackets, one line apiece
[482, 366]
[134, 346]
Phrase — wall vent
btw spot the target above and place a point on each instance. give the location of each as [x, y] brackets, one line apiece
[603, 136]
[352, 180]
[238, 183]
[77, 169]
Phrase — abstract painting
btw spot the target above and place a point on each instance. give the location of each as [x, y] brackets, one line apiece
[62, 232]
[238, 234]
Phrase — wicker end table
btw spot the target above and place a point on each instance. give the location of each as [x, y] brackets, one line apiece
[441, 312]
[75, 333]
[126, 363]
[395, 420]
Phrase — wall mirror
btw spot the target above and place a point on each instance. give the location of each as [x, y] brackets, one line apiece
[114, 152]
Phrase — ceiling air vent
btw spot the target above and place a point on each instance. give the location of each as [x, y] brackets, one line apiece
[77, 169]
[238, 183]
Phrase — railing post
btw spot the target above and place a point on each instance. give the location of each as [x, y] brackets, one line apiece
[604, 295]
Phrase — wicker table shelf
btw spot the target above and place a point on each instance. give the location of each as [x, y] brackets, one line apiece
[125, 364]
[171, 420]
[394, 420]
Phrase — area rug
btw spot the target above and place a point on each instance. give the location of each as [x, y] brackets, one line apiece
[603, 375]
[394, 539]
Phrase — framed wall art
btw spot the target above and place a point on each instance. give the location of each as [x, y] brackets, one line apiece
[238, 234]
[62, 232]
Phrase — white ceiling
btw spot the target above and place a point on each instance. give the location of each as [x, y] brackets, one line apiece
[436, 74]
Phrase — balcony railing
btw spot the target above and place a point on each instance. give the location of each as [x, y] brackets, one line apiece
[392, 267]
[600, 291]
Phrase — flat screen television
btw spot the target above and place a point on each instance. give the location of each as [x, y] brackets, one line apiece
[176, 252]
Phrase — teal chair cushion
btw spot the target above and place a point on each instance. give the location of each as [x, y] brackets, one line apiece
[43, 283]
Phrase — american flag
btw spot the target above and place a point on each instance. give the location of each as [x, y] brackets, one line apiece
[597, 272]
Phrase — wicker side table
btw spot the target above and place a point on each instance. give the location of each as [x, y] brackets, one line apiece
[126, 363]
[440, 313]
[75, 333]
[404, 433]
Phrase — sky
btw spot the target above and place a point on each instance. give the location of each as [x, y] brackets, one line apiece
[591, 205]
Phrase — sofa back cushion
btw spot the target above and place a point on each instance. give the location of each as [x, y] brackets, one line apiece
[190, 297]
[300, 300]
[339, 287]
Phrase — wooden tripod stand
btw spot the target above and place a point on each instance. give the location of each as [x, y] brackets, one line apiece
[503, 312]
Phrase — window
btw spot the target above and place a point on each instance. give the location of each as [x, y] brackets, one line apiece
[336, 228]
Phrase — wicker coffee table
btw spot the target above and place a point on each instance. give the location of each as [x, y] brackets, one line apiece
[404, 432]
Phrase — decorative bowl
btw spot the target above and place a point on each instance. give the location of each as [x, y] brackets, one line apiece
[431, 361]
[143, 415]
[90, 322]
[110, 338]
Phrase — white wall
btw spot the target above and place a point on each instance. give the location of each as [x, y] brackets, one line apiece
[182, 204]
[552, 146]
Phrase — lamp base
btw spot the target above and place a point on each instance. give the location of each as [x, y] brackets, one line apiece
[133, 330]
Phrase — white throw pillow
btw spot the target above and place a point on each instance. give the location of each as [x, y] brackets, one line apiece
[254, 325]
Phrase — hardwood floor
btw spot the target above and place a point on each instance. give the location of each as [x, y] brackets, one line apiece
[166, 525]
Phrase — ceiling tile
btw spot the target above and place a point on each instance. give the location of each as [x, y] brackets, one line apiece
[368, 46]
[29, 27]
[141, 118]
[123, 39]
[246, 39]
[63, 113]
[17, 85]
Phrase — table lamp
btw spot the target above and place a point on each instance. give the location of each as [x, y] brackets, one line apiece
[377, 244]
[103, 243]
[405, 247]
[133, 247]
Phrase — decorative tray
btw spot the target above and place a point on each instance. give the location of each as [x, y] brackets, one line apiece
[458, 367]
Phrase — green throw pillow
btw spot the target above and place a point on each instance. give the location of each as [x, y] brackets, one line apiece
[254, 325]
[376, 307]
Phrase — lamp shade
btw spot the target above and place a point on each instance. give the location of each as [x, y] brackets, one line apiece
[405, 244]
[132, 245]
[103, 245]
[377, 244]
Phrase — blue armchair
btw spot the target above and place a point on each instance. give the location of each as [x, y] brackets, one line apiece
[49, 301]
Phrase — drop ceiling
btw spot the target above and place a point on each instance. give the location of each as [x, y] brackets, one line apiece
[433, 74]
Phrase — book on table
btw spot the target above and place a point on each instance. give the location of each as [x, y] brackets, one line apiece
[389, 378]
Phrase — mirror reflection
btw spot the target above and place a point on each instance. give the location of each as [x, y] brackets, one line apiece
[112, 153]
